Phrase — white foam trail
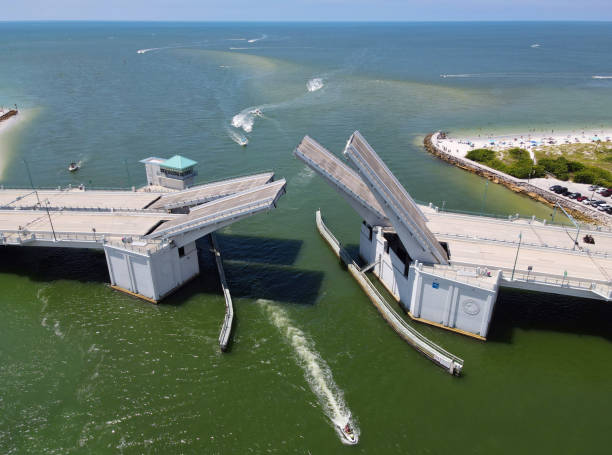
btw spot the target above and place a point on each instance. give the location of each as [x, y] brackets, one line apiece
[236, 39]
[602, 77]
[316, 371]
[315, 84]
[254, 40]
[238, 138]
[458, 75]
[144, 51]
[246, 118]
[535, 45]
[241, 48]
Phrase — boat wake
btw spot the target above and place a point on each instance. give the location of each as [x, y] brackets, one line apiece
[144, 51]
[246, 118]
[315, 84]
[238, 138]
[254, 40]
[536, 45]
[602, 77]
[459, 75]
[316, 371]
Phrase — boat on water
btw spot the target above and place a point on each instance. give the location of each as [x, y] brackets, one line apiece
[74, 167]
[348, 434]
[243, 141]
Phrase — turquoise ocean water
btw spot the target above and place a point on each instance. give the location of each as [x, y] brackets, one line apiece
[84, 369]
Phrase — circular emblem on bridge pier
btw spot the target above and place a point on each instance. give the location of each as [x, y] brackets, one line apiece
[470, 307]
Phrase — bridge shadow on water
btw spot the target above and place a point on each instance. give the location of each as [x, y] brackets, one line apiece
[262, 250]
[51, 264]
[255, 267]
[548, 312]
[263, 268]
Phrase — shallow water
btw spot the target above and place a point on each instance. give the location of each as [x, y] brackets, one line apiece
[86, 369]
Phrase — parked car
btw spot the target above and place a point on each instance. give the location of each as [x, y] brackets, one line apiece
[574, 195]
[587, 201]
[554, 187]
[593, 187]
[603, 207]
[566, 193]
[595, 203]
[581, 198]
[560, 189]
[609, 210]
[606, 193]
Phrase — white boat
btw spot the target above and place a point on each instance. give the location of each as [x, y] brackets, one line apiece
[348, 434]
[243, 141]
[73, 167]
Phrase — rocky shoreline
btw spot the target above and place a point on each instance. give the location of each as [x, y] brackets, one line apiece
[579, 211]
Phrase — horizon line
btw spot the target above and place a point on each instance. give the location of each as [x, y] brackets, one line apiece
[318, 21]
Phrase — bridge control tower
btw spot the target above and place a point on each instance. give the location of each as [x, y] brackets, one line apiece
[176, 173]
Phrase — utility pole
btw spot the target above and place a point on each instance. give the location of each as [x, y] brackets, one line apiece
[50, 222]
[517, 253]
[31, 182]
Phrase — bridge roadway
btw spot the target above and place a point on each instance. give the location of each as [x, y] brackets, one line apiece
[493, 243]
[476, 240]
[345, 179]
[19, 225]
[75, 198]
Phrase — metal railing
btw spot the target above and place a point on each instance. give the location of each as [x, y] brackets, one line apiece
[474, 276]
[200, 222]
[420, 232]
[601, 287]
[24, 237]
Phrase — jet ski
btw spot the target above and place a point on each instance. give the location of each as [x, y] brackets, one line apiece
[73, 167]
[348, 434]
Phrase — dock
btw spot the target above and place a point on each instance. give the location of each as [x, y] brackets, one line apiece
[451, 363]
[226, 328]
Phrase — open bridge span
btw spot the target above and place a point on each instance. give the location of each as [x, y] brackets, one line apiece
[445, 268]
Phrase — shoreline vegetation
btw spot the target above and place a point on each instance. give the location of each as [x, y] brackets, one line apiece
[518, 163]
[500, 167]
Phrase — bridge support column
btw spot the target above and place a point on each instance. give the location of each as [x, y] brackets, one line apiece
[151, 275]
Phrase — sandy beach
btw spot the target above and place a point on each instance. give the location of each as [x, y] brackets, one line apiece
[461, 145]
[455, 148]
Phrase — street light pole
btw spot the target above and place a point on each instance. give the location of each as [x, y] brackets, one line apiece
[517, 253]
[50, 222]
[31, 182]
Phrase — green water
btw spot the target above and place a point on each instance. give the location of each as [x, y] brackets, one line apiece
[85, 369]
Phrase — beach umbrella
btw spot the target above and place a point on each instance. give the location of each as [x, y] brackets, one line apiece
[595, 138]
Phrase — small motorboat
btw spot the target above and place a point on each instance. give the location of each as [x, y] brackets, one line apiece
[349, 436]
[74, 167]
[257, 112]
[243, 141]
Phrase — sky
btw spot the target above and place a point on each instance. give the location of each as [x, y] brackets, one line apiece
[305, 10]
